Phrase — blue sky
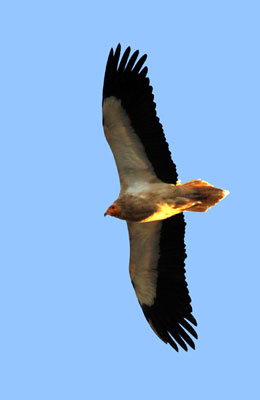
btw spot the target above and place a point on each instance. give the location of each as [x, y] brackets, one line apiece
[71, 327]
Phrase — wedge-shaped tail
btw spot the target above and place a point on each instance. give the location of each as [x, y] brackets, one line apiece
[201, 195]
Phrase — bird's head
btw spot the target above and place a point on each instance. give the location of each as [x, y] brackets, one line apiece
[113, 210]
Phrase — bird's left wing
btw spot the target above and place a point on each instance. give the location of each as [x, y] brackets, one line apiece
[157, 273]
[131, 125]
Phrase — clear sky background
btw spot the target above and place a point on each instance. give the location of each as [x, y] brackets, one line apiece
[70, 324]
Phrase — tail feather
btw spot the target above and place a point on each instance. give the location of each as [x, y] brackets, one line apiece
[201, 195]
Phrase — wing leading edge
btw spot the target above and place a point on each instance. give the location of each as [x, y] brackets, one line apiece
[127, 94]
[157, 271]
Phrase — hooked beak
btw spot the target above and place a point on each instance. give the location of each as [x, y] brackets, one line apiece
[105, 214]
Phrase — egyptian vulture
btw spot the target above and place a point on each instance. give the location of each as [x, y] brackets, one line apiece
[151, 199]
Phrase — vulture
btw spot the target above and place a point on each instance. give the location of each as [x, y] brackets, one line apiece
[152, 199]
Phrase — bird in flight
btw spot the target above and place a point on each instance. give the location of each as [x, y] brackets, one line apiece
[151, 198]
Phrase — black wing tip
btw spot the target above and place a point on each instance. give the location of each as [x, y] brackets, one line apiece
[181, 339]
[114, 55]
[118, 64]
[169, 328]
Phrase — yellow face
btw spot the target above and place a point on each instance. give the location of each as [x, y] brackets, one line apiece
[113, 210]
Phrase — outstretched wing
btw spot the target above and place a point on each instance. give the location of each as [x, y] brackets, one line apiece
[157, 272]
[131, 125]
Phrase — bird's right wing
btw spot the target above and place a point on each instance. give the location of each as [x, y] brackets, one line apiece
[157, 254]
[131, 125]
